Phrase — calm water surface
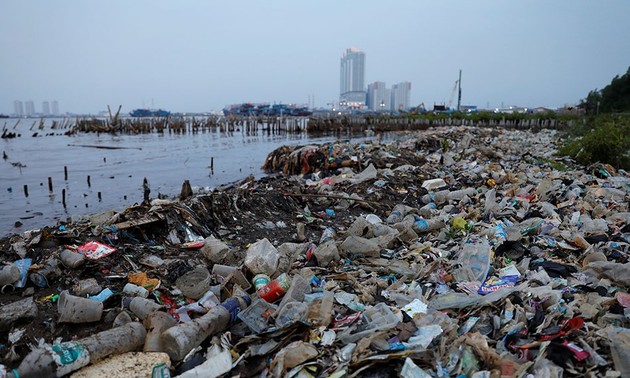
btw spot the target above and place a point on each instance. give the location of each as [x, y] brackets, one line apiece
[166, 160]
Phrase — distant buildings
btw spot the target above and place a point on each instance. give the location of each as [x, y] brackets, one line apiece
[27, 109]
[401, 94]
[30, 108]
[18, 108]
[378, 97]
[352, 79]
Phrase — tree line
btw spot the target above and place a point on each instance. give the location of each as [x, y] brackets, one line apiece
[613, 98]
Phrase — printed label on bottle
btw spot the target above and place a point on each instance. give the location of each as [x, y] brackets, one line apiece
[422, 225]
[161, 371]
[69, 357]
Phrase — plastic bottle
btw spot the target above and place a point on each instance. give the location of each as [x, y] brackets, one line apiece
[179, 340]
[437, 197]
[62, 359]
[328, 234]
[459, 194]
[427, 210]
[428, 225]
[398, 213]
[135, 290]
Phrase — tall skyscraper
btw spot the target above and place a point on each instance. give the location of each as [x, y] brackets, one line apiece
[45, 108]
[401, 94]
[18, 108]
[30, 108]
[55, 108]
[352, 83]
[378, 96]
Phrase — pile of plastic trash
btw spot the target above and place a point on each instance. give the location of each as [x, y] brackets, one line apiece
[453, 252]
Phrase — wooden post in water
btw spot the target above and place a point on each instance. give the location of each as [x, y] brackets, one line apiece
[147, 190]
[25, 190]
[99, 196]
[63, 197]
[212, 164]
[65, 173]
[88, 181]
[186, 191]
[50, 186]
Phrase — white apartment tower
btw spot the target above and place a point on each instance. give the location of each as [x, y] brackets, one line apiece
[378, 97]
[352, 83]
[18, 108]
[55, 107]
[401, 93]
[45, 108]
[30, 108]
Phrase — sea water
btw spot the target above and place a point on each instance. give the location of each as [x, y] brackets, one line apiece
[165, 160]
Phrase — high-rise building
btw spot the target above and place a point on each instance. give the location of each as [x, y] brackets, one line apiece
[18, 108]
[378, 96]
[352, 83]
[45, 108]
[55, 108]
[30, 108]
[401, 93]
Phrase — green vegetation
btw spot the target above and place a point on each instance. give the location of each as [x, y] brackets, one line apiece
[604, 139]
[604, 135]
[614, 98]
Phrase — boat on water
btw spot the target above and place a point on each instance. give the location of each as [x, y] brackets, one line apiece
[4, 116]
[149, 113]
[251, 109]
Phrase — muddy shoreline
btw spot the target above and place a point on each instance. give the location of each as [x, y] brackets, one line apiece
[339, 185]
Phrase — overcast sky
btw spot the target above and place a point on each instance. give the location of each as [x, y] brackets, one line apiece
[185, 55]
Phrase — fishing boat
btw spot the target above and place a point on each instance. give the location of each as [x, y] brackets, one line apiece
[250, 109]
[149, 113]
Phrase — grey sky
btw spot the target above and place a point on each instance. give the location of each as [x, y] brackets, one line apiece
[201, 55]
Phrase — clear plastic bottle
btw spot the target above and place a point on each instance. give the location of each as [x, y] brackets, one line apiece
[427, 210]
[62, 359]
[437, 197]
[459, 194]
[428, 225]
[179, 340]
[398, 213]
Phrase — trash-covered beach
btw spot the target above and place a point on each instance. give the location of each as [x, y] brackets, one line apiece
[451, 252]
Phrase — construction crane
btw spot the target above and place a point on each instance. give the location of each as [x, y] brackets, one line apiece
[457, 87]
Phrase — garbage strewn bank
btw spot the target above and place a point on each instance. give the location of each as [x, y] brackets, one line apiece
[452, 252]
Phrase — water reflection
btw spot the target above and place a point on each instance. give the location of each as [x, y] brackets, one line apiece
[165, 159]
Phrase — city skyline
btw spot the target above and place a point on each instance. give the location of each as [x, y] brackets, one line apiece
[201, 56]
[28, 108]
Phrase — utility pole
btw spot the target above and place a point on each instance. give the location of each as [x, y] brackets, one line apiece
[459, 93]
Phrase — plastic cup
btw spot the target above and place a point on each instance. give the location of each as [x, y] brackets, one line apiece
[73, 309]
[142, 307]
[71, 259]
[156, 323]
[195, 283]
[9, 274]
[87, 287]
